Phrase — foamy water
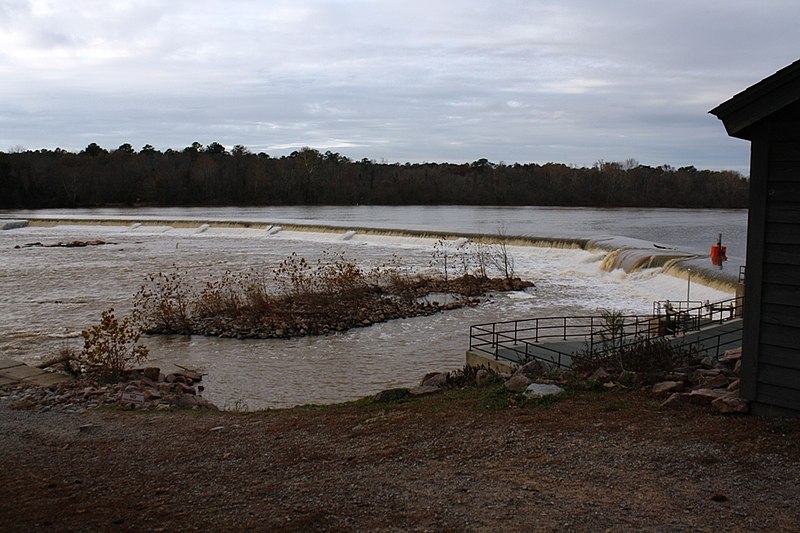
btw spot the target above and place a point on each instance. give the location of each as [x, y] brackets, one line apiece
[49, 295]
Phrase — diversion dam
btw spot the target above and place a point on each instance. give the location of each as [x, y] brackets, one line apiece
[627, 254]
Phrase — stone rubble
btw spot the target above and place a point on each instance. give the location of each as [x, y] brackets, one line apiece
[146, 388]
[717, 386]
[713, 382]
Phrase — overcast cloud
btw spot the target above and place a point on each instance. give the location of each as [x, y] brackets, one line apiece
[514, 81]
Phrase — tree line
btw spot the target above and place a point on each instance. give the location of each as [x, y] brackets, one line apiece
[213, 175]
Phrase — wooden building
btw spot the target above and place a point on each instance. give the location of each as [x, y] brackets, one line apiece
[768, 115]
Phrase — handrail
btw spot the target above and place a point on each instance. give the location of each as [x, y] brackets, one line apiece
[698, 343]
[600, 334]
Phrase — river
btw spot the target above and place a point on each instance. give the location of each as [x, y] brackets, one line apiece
[49, 294]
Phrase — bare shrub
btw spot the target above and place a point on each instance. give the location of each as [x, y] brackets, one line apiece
[648, 356]
[613, 329]
[294, 275]
[502, 260]
[481, 253]
[163, 303]
[442, 258]
[111, 347]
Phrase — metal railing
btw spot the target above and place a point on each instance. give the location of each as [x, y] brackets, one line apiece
[689, 316]
[520, 341]
[717, 344]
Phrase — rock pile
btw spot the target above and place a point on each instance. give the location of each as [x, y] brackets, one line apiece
[715, 384]
[309, 310]
[712, 381]
[530, 380]
[68, 244]
[146, 388]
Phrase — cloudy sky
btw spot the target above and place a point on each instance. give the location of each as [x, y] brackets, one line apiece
[574, 81]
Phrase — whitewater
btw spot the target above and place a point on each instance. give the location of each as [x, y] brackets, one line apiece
[50, 294]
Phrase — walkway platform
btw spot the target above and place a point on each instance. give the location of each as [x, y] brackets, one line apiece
[15, 373]
[712, 339]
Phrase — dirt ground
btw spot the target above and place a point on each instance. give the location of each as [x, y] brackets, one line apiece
[463, 460]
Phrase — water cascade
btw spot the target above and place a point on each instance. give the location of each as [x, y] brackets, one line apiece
[12, 224]
[633, 255]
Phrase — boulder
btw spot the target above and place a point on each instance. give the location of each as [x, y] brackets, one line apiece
[392, 395]
[424, 390]
[186, 400]
[152, 373]
[434, 379]
[517, 383]
[676, 398]
[540, 390]
[702, 375]
[534, 369]
[203, 403]
[151, 394]
[720, 381]
[600, 376]
[705, 396]
[482, 376]
[677, 376]
[709, 362]
[731, 356]
[176, 377]
[183, 388]
[190, 375]
[667, 386]
[731, 404]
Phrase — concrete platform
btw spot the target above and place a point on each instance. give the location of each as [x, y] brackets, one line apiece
[15, 372]
[709, 340]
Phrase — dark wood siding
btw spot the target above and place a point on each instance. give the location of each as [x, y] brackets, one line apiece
[778, 339]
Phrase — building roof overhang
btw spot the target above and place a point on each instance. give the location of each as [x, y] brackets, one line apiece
[759, 101]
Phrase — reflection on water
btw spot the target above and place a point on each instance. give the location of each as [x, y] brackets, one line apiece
[49, 294]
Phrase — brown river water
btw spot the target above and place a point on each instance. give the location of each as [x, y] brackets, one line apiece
[49, 294]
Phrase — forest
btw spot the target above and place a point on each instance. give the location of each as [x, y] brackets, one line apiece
[212, 175]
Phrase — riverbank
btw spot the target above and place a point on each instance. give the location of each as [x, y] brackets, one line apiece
[458, 461]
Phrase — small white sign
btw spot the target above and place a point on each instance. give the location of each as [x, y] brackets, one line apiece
[133, 397]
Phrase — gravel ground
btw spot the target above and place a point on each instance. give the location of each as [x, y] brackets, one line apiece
[459, 461]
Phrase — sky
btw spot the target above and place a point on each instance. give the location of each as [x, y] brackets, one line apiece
[573, 81]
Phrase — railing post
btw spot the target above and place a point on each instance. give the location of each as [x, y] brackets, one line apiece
[565, 328]
[494, 342]
[515, 331]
